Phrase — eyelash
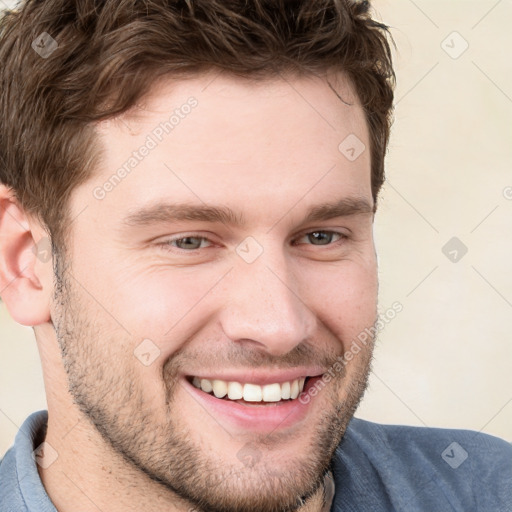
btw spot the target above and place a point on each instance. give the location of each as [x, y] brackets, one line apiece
[168, 247]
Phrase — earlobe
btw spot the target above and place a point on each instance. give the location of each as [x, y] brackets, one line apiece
[25, 263]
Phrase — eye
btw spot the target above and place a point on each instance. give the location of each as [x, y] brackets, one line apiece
[193, 242]
[322, 237]
[186, 243]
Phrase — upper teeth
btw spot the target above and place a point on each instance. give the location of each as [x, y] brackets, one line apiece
[251, 392]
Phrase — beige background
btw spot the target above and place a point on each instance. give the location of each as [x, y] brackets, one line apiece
[446, 359]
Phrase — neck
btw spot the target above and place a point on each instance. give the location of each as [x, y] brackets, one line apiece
[89, 476]
[322, 500]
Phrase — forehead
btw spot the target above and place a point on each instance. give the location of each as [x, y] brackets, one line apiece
[246, 142]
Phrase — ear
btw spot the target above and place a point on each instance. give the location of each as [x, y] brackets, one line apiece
[26, 272]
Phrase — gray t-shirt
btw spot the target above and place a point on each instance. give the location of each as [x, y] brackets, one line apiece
[376, 468]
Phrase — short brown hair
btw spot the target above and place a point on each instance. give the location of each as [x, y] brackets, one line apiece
[110, 52]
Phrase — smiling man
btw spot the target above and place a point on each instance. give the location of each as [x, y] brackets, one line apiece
[186, 218]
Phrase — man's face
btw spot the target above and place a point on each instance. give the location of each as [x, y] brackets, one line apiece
[154, 305]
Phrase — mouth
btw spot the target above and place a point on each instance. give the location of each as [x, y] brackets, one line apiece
[247, 393]
[263, 405]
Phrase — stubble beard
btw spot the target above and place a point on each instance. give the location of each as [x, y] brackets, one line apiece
[113, 403]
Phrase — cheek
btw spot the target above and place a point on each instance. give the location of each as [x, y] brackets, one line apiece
[170, 305]
[345, 299]
[161, 301]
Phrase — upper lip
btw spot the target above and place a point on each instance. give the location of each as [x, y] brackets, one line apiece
[260, 377]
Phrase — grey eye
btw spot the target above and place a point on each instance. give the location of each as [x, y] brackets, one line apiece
[188, 242]
[321, 237]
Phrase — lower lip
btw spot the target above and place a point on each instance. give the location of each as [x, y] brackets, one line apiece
[258, 418]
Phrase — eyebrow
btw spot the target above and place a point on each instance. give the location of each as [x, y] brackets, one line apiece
[161, 212]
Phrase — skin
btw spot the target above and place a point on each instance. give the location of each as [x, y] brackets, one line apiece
[133, 437]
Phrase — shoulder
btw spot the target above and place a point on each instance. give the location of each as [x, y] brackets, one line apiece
[425, 443]
[21, 489]
[10, 496]
[426, 467]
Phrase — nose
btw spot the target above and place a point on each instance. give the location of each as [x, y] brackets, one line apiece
[263, 306]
